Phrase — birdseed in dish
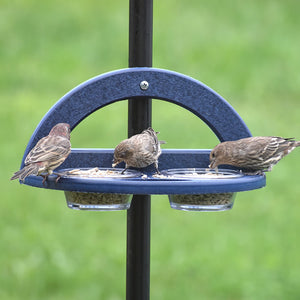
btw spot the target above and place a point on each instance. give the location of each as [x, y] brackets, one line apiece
[203, 199]
[97, 198]
[100, 173]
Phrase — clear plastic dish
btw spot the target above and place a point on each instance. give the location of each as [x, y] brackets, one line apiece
[97, 201]
[200, 173]
[202, 202]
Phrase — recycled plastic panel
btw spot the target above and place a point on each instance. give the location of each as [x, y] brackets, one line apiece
[166, 85]
[163, 84]
[85, 158]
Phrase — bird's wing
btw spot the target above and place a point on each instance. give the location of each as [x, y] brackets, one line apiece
[49, 148]
[150, 144]
[151, 140]
[256, 149]
[275, 147]
[263, 148]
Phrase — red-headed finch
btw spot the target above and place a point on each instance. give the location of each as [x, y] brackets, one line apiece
[256, 154]
[49, 152]
[139, 151]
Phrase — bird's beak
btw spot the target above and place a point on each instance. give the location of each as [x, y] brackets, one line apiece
[115, 162]
[212, 165]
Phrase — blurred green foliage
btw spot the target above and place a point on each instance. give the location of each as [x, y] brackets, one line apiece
[247, 51]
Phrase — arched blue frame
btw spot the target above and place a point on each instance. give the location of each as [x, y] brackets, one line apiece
[166, 85]
[107, 88]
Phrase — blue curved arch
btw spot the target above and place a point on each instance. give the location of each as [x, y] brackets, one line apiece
[167, 85]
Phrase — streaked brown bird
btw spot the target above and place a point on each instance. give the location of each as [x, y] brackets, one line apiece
[49, 153]
[139, 151]
[254, 154]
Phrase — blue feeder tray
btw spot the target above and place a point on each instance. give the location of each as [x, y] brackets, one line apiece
[143, 83]
[147, 184]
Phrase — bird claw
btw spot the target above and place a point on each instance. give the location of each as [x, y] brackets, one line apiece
[59, 175]
[156, 168]
[45, 178]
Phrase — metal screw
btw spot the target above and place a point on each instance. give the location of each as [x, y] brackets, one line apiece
[144, 85]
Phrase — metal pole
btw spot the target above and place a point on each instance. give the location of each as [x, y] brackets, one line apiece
[139, 118]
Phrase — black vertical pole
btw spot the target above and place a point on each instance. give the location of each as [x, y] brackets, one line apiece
[139, 118]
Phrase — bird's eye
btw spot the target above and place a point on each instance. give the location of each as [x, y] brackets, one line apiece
[213, 154]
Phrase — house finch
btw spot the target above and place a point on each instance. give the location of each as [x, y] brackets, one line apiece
[256, 154]
[139, 151]
[49, 152]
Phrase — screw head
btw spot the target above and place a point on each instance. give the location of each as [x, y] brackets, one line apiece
[144, 85]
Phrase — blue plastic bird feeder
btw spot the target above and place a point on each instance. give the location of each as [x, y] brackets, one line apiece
[140, 83]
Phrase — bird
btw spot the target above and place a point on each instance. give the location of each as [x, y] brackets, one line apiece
[254, 154]
[49, 153]
[139, 151]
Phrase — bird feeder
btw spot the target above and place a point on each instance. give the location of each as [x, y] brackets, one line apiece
[181, 169]
[142, 83]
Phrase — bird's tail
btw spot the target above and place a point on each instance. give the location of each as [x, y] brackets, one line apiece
[153, 133]
[292, 142]
[26, 171]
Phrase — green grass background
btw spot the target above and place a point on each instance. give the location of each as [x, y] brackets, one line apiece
[247, 51]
